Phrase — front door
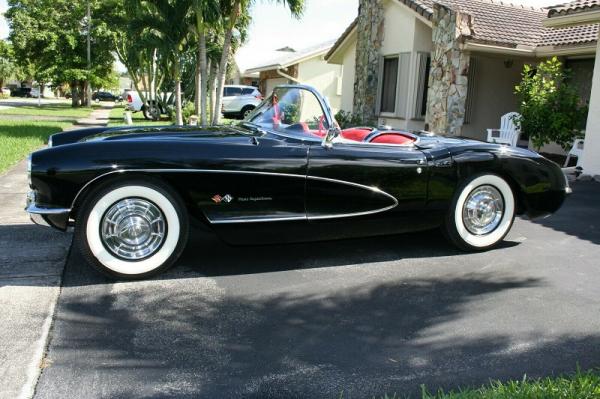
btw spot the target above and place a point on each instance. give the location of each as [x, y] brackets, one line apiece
[375, 187]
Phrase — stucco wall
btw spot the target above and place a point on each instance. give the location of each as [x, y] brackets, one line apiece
[349, 71]
[324, 77]
[493, 92]
[399, 29]
[405, 33]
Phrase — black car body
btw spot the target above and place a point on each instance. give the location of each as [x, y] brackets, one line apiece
[21, 92]
[254, 185]
[104, 96]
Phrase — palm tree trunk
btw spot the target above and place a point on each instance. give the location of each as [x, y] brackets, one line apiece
[178, 107]
[203, 78]
[198, 82]
[212, 83]
[222, 73]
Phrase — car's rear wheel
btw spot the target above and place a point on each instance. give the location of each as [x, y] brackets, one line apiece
[481, 214]
[132, 229]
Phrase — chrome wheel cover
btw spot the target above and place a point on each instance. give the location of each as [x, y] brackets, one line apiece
[133, 229]
[483, 210]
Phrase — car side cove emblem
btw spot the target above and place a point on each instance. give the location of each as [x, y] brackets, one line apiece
[217, 199]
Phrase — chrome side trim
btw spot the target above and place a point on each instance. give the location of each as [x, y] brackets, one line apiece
[246, 172]
[36, 210]
[349, 215]
[258, 220]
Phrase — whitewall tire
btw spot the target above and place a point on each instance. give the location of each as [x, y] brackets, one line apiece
[132, 229]
[481, 214]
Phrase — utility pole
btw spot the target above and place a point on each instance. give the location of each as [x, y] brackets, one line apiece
[88, 91]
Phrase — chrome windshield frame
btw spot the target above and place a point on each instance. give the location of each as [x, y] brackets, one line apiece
[322, 102]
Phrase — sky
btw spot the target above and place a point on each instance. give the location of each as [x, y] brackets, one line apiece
[273, 26]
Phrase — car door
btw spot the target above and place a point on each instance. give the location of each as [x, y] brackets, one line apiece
[230, 96]
[371, 186]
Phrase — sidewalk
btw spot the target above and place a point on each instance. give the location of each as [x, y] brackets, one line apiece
[31, 264]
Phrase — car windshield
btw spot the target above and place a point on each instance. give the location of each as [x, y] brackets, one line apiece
[292, 111]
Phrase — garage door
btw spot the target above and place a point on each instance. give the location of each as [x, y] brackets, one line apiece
[272, 83]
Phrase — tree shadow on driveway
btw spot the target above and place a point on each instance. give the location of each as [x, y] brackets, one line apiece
[309, 328]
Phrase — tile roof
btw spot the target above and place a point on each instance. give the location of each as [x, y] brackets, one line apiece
[573, 7]
[572, 35]
[501, 23]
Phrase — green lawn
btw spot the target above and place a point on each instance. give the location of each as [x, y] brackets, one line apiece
[19, 138]
[582, 385]
[57, 110]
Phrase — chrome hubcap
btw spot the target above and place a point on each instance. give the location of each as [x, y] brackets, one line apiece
[133, 229]
[483, 210]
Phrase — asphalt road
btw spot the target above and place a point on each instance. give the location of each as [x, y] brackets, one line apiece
[364, 316]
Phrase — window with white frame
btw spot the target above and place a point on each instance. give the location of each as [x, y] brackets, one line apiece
[389, 85]
[393, 89]
[423, 68]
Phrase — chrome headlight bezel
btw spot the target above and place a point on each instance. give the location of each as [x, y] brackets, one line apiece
[29, 167]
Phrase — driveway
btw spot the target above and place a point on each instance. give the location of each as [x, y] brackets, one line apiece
[363, 317]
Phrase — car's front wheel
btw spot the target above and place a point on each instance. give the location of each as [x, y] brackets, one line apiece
[132, 229]
[481, 214]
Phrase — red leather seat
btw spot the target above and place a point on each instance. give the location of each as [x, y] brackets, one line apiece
[392, 138]
[356, 134]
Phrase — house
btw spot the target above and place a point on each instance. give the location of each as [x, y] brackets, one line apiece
[306, 66]
[584, 15]
[451, 64]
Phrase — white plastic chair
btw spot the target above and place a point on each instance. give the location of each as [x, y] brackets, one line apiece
[508, 133]
[576, 151]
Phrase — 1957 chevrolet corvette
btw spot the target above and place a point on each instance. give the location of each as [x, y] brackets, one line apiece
[287, 173]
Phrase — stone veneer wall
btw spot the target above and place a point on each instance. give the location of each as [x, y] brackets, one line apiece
[448, 79]
[368, 45]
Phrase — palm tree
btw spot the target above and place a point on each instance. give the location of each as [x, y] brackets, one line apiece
[206, 13]
[163, 21]
[232, 11]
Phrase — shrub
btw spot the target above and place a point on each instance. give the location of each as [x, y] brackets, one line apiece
[348, 119]
[188, 110]
[550, 108]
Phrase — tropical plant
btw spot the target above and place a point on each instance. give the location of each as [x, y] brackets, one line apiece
[348, 119]
[551, 109]
[206, 17]
[234, 11]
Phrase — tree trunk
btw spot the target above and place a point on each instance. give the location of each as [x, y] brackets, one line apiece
[41, 87]
[82, 91]
[74, 99]
[211, 89]
[178, 107]
[198, 80]
[203, 78]
[223, 72]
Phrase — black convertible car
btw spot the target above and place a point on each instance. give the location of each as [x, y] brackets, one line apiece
[286, 173]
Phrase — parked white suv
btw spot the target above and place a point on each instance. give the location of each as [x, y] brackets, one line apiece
[135, 104]
[239, 101]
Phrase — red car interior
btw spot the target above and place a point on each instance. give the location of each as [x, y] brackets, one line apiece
[393, 138]
[359, 134]
[356, 133]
